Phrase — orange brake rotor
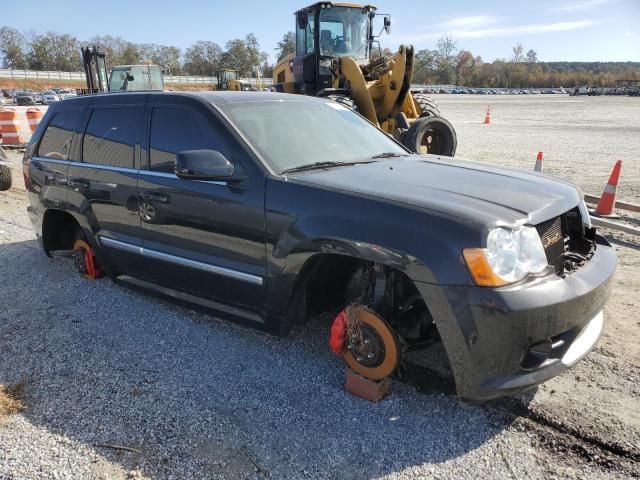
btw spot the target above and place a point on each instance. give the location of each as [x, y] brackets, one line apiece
[379, 356]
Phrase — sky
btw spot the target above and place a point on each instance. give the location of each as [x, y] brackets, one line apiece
[578, 30]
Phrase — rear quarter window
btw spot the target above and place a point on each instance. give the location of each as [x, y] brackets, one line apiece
[57, 137]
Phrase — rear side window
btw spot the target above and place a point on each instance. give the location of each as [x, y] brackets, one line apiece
[56, 141]
[110, 137]
[175, 130]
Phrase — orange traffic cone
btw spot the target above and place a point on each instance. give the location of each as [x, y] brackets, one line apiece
[538, 167]
[607, 201]
[487, 117]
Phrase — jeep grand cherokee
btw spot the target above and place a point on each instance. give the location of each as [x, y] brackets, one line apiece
[272, 208]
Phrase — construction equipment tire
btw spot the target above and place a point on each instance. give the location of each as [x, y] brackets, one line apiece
[432, 135]
[427, 106]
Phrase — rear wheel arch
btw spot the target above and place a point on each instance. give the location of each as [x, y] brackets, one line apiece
[60, 230]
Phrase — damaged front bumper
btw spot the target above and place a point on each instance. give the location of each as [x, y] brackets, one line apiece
[504, 340]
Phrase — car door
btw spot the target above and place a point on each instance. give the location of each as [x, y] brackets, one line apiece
[205, 238]
[46, 182]
[103, 186]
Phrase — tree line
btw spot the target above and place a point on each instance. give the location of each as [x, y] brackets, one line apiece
[61, 52]
[450, 65]
[445, 64]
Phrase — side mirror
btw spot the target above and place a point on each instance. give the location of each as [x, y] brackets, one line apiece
[303, 20]
[387, 24]
[130, 77]
[203, 165]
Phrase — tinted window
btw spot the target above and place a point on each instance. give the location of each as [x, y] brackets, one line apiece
[175, 130]
[56, 141]
[110, 137]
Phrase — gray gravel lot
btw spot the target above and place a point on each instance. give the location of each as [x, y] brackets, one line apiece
[199, 397]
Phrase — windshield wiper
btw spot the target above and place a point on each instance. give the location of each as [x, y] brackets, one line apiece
[314, 166]
[390, 155]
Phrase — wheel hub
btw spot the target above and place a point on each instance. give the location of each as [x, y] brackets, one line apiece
[368, 349]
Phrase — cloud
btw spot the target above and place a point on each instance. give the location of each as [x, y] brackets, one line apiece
[501, 31]
[467, 22]
[576, 6]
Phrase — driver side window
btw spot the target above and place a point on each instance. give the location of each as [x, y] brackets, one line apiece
[176, 129]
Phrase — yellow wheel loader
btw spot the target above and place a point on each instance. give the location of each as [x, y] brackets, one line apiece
[230, 80]
[334, 59]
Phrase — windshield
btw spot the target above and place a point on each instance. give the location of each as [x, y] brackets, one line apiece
[344, 31]
[117, 80]
[292, 133]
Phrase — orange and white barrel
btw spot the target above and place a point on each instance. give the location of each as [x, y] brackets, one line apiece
[9, 127]
[34, 116]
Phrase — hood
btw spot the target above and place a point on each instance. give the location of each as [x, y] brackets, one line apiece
[468, 190]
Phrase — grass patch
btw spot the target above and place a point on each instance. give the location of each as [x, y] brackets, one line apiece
[11, 400]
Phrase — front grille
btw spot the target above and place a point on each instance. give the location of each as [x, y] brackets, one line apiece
[567, 243]
[553, 241]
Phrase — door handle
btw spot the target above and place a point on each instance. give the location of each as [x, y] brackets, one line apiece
[79, 184]
[155, 197]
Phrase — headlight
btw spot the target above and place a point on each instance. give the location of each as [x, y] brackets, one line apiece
[510, 256]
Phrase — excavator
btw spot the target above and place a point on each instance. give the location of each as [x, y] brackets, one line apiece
[123, 78]
[336, 58]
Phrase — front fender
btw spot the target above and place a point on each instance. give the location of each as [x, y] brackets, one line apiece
[304, 221]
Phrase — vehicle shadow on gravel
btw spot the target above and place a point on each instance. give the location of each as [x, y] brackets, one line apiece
[199, 397]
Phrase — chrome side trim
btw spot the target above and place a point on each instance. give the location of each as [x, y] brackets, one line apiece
[103, 167]
[127, 247]
[51, 160]
[123, 170]
[192, 299]
[185, 262]
[151, 173]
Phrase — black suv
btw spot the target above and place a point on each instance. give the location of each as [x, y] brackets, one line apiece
[273, 209]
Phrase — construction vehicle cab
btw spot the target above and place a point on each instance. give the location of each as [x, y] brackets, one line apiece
[335, 43]
[129, 78]
[325, 31]
[123, 78]
[230, 80]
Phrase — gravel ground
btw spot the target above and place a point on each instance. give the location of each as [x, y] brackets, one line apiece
[198, 397]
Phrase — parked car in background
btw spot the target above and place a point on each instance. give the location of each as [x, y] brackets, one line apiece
[49, 97]
[65, 93]
[25, 98]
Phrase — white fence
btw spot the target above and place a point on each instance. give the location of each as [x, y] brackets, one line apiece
[45, 75]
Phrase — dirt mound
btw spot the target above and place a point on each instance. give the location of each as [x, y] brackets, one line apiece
[11, 400]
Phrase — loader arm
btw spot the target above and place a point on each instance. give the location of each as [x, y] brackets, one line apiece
[351, 75]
